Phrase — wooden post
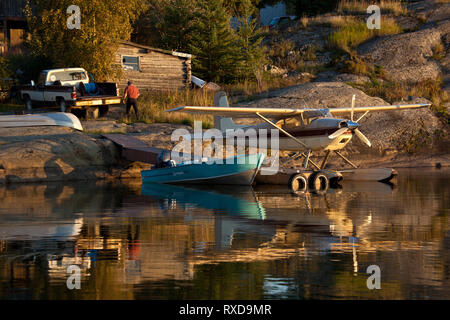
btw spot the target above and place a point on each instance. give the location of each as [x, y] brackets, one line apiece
[188, 73]
[5, 34]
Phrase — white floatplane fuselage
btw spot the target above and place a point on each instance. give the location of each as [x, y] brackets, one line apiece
[316, 136]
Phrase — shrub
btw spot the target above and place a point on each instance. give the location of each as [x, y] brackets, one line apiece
[153, 106]
[283, 54]
[438, 51]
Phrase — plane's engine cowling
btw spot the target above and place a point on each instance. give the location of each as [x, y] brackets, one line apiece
[328, 123]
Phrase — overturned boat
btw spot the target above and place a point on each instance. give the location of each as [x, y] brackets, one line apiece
[238, 170]
[44, 119]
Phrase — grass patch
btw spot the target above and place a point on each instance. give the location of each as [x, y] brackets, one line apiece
[152, 107]
[250, 88]
[393, 91]
[350, 36]
[394, 7]
[329, 20]
[352, 63]
[9, 107]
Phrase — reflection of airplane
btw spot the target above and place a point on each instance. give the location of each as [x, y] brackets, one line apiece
[311, 130]
[239, 216]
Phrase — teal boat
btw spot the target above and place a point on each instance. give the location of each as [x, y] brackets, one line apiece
[238, 170]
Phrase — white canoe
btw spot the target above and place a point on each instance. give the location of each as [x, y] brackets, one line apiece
[42, 119]
[374, 174]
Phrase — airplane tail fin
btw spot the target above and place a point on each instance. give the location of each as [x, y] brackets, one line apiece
[223, 123]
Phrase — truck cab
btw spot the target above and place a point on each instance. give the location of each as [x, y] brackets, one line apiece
[70, 89]
[64, 77]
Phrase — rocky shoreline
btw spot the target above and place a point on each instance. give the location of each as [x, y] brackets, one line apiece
[409, 138]
[47, 154]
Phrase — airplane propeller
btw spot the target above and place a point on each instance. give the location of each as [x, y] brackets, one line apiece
[362, 137]
[338, 133]
[358, 133]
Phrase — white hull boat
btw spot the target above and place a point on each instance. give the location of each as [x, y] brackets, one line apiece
[45, 119]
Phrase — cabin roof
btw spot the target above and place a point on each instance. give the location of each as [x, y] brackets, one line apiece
[169, 52]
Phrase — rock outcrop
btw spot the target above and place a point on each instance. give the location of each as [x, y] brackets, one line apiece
[405, 57]
[36, 154]
[316, 95]
[53, 154]
[391, 131]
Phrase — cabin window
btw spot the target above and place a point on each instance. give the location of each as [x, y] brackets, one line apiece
[130, 63]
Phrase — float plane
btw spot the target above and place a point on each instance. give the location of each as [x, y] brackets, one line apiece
[302, 130]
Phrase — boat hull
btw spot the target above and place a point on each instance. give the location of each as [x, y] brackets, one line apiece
[241, 171]
[43, 119]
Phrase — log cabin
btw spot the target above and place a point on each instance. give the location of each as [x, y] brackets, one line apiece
[153, 69]
[12, 25]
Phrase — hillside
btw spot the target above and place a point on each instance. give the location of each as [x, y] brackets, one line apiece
[331, 57]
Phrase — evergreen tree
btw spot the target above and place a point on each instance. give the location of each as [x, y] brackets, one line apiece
[214, 43]
[249, 41]
[167, 24]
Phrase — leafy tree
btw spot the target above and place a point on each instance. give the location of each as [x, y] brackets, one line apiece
[103, 24]
[214, 43]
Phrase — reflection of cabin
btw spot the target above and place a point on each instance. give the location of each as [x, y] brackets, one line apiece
[12, 24]
[153, 69]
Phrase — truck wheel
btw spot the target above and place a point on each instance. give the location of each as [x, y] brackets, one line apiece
[28, 103]
[63, 107]
[103, 110]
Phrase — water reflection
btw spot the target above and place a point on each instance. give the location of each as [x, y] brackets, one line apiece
[161, 242]
[232, 200]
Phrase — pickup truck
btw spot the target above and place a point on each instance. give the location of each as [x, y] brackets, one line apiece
[70, 90]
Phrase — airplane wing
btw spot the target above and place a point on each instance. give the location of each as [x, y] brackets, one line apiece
[238, 111]
[247, 112]
[379, 108]
[284, 112]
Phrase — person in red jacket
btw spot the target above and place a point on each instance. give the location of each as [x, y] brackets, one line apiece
[130, 95]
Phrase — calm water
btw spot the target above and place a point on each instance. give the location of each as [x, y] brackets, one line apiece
[166, 242]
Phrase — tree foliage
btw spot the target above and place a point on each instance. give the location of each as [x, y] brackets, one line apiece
[203, 28]
[167, 24]
[103, 24]
[214, 43]
[249, 40]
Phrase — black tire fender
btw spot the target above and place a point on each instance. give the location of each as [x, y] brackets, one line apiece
[318, 182]
[298, 183]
